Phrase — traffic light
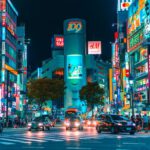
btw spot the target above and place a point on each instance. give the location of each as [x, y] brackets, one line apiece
[147, 7]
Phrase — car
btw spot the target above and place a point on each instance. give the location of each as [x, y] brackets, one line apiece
[74, 122]
[53, 122]
[90, 122]
[115, 124]
[51, 118]
[39, 123]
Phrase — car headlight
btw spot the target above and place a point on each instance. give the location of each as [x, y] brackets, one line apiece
[119, 124]
[77, 124]
[94, 122]
[134, 124]
[40, 124]
[29, 124]
[89, 122]
[67, 123]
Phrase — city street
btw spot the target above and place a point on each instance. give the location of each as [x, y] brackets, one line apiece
[60, 139]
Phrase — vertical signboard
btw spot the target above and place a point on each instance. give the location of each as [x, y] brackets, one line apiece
[0, 100]
[149, 69]
[110, 85]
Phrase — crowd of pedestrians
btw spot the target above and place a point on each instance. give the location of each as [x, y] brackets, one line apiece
[13, 122]
[142, 122]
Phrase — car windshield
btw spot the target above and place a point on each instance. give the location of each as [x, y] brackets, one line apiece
[74, 118]
[38, 119]
[117, 117]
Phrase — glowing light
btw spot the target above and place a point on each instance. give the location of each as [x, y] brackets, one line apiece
[94, 47]
[59, 41]
[74, 26]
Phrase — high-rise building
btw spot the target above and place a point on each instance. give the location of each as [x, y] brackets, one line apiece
[8, 65]
[13, 61]
[138, 35]
[21, 67]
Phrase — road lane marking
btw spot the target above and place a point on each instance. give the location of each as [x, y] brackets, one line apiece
[133, 143]
[86, 148]
[57, 140]
[33, 147]
[30, 139]
[122, 149]
[12, 140]
[7, 143]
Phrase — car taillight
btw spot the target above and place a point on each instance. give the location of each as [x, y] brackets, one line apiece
[89, 122]
[77, 124]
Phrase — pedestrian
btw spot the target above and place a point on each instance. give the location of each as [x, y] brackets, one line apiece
[145, 122]
[139, 123]
[133, 119]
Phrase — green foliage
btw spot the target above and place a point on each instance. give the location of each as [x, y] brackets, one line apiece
[93, 94]
[41, 90]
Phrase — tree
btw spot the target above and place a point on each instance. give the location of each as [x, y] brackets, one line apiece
[93, 94]
[41, 90]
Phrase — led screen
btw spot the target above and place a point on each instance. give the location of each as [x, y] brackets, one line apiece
[74, 66]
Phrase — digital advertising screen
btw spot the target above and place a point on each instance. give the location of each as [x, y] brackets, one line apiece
[74, 66]
[137, 15]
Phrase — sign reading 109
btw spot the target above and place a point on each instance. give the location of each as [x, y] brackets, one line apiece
[74, 26]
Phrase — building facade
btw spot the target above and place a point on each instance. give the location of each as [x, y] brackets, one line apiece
[138, 33]
[13, 60]
[8, 57]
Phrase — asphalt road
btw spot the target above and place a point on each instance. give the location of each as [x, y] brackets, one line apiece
[60, 139]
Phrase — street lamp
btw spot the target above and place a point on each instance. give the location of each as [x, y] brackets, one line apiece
[131, 82]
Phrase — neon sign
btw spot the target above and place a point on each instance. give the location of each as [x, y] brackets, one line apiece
[135, 41]
[59, 41]
[3, 5]
[74, 26]
[149, 69]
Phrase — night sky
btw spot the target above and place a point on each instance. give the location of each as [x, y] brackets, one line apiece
[43, 18]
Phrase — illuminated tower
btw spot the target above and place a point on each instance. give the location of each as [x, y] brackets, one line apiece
[74, 52]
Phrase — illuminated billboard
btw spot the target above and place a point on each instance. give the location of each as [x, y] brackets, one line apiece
[94, 47]
[124, 5]
[138, 27]
[57, 42]
[74, 66]
[137, 16]
[74, 26]
[3, 5]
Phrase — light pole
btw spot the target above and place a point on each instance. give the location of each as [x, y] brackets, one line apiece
[131, 82]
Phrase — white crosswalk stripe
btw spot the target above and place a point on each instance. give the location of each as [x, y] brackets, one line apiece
[7, 143]
[60, 137]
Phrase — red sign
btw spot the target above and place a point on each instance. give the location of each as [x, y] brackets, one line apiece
[3, 5]
[59, 41]
[116, 56]
[94, 47]
[127, 73]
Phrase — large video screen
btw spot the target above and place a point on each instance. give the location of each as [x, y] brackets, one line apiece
[74, 66]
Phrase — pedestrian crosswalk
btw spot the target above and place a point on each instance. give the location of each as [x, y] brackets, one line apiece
[44, 137]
